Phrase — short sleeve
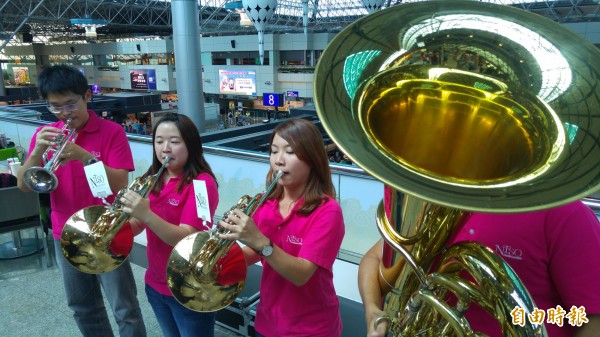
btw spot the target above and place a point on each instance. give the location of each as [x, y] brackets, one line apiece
[574, 245]
[324, 237]
[119, 152]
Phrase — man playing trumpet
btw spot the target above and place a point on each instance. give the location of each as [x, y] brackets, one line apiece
[66, 90]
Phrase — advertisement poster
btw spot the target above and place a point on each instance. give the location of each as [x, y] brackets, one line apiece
[237, 82]
[143, 79]
[21, 75]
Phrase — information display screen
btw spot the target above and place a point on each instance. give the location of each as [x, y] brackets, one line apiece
[273, 99]
[143, 78]
[237, 82]
[95, 88]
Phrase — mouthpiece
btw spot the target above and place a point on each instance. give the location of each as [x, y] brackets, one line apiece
[278, 175]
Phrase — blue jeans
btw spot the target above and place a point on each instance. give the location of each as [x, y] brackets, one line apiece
[84, 297]
[175, 320]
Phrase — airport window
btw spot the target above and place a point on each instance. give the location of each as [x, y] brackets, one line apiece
[293, 57]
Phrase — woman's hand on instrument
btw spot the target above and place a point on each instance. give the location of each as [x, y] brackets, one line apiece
[135, 205]
[241, 227]
[380, 329]
[136, 226]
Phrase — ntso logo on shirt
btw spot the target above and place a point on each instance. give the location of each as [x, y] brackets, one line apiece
[294, 240]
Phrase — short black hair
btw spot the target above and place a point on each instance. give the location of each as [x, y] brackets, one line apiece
[62, 79]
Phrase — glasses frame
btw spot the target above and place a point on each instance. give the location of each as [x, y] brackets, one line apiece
[60, 109]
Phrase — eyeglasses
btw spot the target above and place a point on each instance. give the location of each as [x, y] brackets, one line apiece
[68, 107]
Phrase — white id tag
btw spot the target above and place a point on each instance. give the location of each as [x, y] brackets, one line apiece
[97, 179]
[201, 195]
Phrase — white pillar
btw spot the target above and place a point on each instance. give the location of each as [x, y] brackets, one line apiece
[188, 67]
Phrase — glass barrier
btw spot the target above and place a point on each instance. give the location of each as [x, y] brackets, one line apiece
[242, 172]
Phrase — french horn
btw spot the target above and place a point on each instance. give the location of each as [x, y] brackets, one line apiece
[95, 239]
[206, 273]
[460, 106]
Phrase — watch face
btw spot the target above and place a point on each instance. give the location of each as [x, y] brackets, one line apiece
[268, 250]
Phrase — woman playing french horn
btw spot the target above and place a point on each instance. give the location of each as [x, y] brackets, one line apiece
[296, 234]
[169, 214]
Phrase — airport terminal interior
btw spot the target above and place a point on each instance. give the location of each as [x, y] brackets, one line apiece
[255, 63]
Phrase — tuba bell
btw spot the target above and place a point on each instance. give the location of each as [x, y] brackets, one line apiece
[460, 106]
[42, 179]
[206, 273]
[95, 240]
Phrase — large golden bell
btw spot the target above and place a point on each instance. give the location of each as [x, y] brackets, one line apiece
[502, 116]
[204, 290]
[460, 106]
[84, 245]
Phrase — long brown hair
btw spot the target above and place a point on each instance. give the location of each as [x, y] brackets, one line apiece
[307, 143]
[196, 162]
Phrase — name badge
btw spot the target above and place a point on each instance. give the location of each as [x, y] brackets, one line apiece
[201, 195]
[97, 179]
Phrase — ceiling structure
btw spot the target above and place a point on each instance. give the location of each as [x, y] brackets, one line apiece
[49, 21]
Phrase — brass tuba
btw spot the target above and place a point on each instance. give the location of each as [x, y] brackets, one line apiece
[43, 179]
[206, 273]
[94, 240]
[460, 106]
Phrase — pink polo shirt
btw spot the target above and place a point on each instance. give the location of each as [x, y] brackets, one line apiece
[175, 208]
[554, 252]
[104, 139]
[312, 309]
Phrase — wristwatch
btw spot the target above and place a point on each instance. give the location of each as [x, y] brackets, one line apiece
[91, 161]
[267, 250]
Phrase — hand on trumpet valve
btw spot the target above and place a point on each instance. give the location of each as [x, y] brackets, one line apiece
[73, 151]
[46, 137]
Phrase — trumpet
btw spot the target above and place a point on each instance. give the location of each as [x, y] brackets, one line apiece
[94, 240]
[43, 179]
[206, 273]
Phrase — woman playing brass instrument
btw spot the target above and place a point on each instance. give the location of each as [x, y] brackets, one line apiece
[169, 214]
[296, 234]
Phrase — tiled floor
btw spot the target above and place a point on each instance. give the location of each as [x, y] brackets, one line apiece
[33, 301]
